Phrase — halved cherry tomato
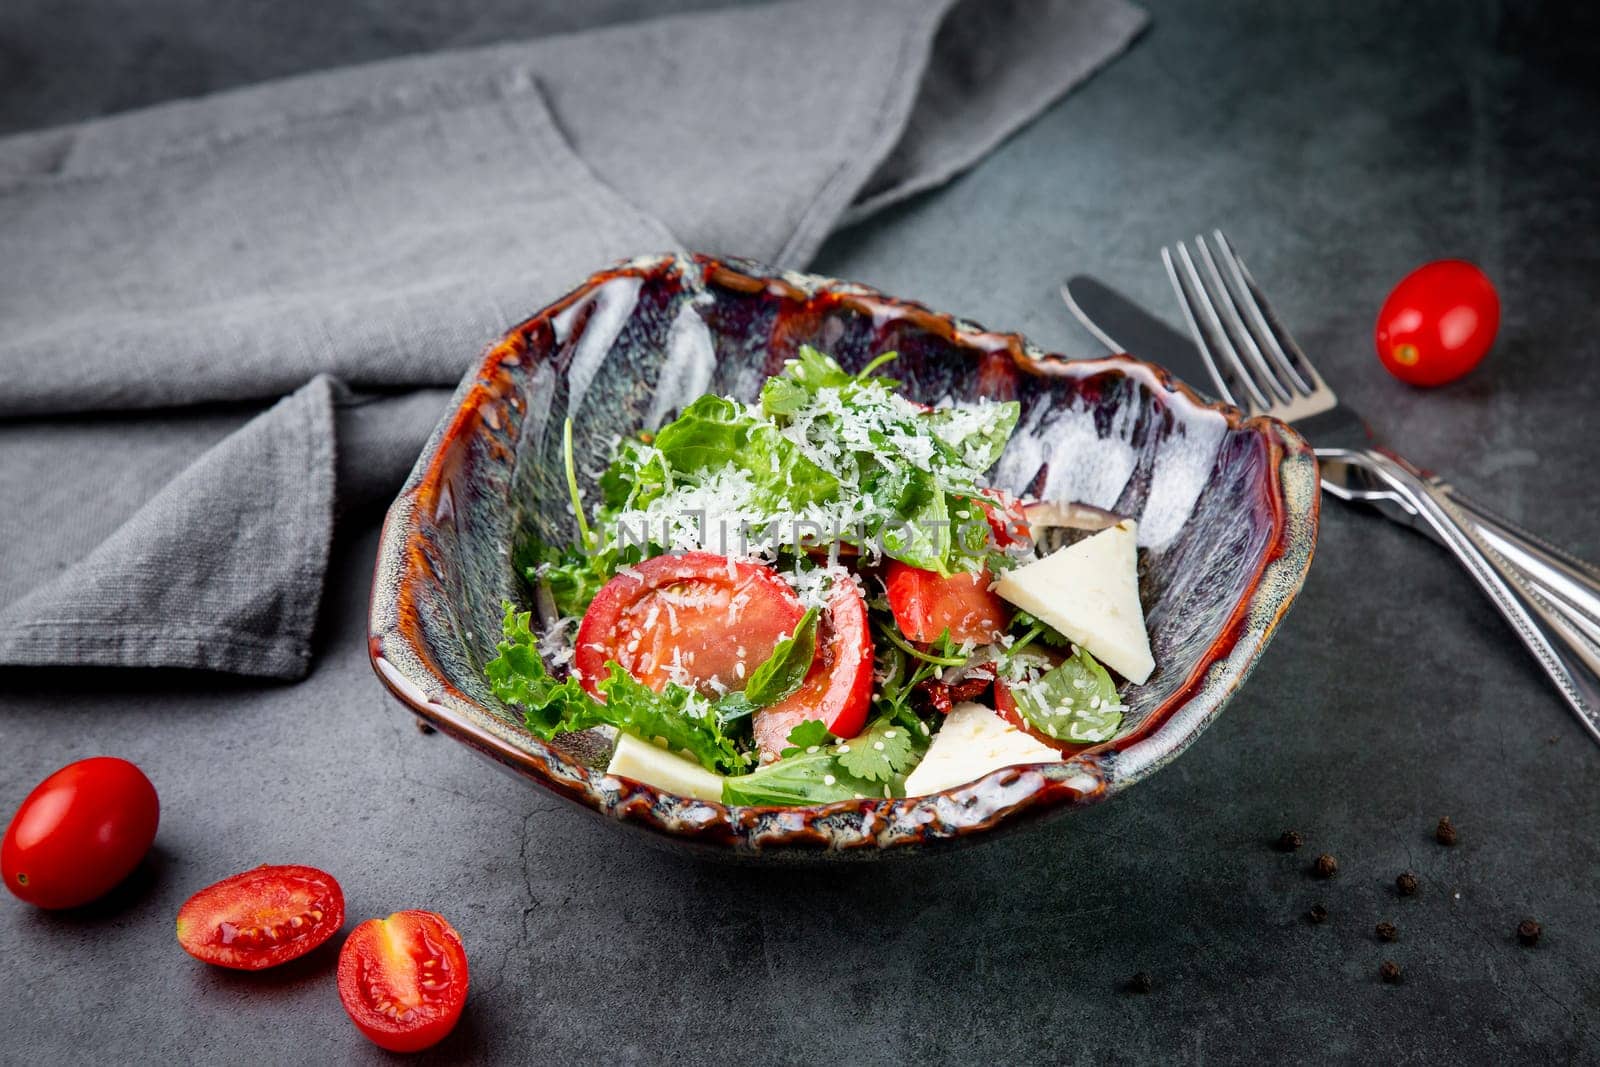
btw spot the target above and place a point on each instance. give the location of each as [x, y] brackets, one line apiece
[261, 917]
[1438, 323]
[80, 832]
[1008, 523]
[838, 687]
[403, 980]
[697, 616]
[926, 604]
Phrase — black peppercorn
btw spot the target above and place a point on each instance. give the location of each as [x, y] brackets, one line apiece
[1445, 832]
[1387, 932]
[1326, 866]
[1318, 913]
[1290, 840]
[1406, 884]
[1528, 931]
[1390, 972]
[1141, 983]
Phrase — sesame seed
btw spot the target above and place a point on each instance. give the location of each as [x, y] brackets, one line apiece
[878, 745]
[889, 734]
[843, 748]
[828, 779]
[812, 750]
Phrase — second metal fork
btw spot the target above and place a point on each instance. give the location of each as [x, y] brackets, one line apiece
[1550, 598]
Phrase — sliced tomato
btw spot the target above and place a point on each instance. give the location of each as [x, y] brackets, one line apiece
[838, 687]
[926, 604]
[262, 917]
[403, 980]
[1008, 522]
[699, 618]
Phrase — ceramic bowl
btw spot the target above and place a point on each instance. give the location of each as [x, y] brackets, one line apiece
[1227, 510]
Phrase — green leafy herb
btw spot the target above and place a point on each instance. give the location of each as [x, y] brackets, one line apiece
[1076, 701]
[808, 734]
[881, 751]
[681, 717]
[786, 668]
[570, 576]
[1038, 628]
[800, 780]
[686, 721]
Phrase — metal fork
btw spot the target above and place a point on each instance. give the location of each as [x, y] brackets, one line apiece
[1551, 599]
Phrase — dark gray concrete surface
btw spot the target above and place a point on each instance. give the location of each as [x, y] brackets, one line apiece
[1340, 145]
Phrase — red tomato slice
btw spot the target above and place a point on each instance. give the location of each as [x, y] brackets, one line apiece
[403, 980]
[80, 832]
[838, 687]
[926, 604]
[261, 917]
[1008, 523]
[701, 618]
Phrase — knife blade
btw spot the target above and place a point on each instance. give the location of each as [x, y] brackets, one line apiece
[1123, 326]
[1561, 580]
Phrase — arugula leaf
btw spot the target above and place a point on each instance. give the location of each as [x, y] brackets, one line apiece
[881, 751]
[803, 779]
[977, 435]
[638, 473]
[872, 764]
[571, 576]
[1076, 701]
[1025, 622]
[809, 734]
[681, 717]
[714, 433]
[731, 707]
[786, 668]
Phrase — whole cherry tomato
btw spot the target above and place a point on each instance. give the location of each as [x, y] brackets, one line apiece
[80, 832]
[1438, 323]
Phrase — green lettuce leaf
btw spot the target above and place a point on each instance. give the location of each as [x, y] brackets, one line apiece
[803, 779]
[686, 721]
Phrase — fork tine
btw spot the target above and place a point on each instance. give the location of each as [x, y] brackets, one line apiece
[1197, 305]
[1268, 328]
[1266, 378]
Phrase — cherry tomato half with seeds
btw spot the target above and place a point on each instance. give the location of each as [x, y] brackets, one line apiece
[80, 832]
[403, 980]
[698, 617]
[261, 917]
[1438, 323]
[926, 604]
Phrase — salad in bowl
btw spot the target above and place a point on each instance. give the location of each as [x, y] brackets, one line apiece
[817, 596]
[682, 552]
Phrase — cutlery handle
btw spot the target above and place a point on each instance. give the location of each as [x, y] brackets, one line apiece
[1567, 583]
[1570, 660]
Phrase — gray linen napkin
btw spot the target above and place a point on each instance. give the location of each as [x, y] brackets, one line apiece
[165, 273]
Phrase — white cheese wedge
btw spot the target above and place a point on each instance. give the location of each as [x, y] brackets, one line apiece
[972, 742]
[1090, 592]
[654, 765]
